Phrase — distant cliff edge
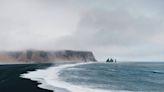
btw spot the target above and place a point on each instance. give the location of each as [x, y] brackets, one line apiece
[38, 56]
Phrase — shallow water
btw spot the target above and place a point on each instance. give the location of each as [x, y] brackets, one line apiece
[102, 77]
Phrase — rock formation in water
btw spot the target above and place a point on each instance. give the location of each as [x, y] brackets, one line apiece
[111, 60]
[36, 56]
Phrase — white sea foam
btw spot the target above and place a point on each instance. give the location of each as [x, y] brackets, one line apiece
[49, 79]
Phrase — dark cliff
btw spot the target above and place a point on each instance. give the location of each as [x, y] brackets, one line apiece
[36, 56]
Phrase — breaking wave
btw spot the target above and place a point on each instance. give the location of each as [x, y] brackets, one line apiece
[49, 79]
[100, 77]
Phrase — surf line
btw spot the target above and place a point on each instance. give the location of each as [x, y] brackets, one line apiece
[49, 79]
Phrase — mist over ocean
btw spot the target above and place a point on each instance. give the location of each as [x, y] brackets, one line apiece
[37, 35]
[101, 77]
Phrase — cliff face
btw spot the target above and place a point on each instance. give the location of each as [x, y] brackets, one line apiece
[72, 56]
[32, 56]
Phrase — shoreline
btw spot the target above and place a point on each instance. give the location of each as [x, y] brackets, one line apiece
[10, 80]
[57, 84]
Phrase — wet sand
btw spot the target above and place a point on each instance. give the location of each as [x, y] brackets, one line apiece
[10, 80]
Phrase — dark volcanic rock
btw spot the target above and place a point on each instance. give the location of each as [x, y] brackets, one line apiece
[36, 56]
[69, 55]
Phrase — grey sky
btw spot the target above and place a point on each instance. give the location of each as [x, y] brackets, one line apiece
[124, 29]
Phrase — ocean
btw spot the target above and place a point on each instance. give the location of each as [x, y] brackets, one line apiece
[88, 77]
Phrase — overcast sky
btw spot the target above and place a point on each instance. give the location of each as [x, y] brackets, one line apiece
[123, 29]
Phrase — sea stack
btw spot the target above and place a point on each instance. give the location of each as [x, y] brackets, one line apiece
[111, 60]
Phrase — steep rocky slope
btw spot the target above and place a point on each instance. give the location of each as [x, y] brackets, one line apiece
[36, 56]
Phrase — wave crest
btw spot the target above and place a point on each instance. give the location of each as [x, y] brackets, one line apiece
[49, 79]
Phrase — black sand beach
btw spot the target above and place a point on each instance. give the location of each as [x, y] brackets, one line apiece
[10, 80]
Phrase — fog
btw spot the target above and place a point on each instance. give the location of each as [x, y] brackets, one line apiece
[122, 29]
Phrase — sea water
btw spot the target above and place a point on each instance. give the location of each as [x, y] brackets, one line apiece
[101, 77]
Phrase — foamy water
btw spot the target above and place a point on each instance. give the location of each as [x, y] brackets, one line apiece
[49, 79]
[101, 77]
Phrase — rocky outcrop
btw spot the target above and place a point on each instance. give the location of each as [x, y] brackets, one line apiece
[35, 56]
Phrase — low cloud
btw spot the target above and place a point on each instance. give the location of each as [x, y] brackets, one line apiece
[115, 34]
[125, 29]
